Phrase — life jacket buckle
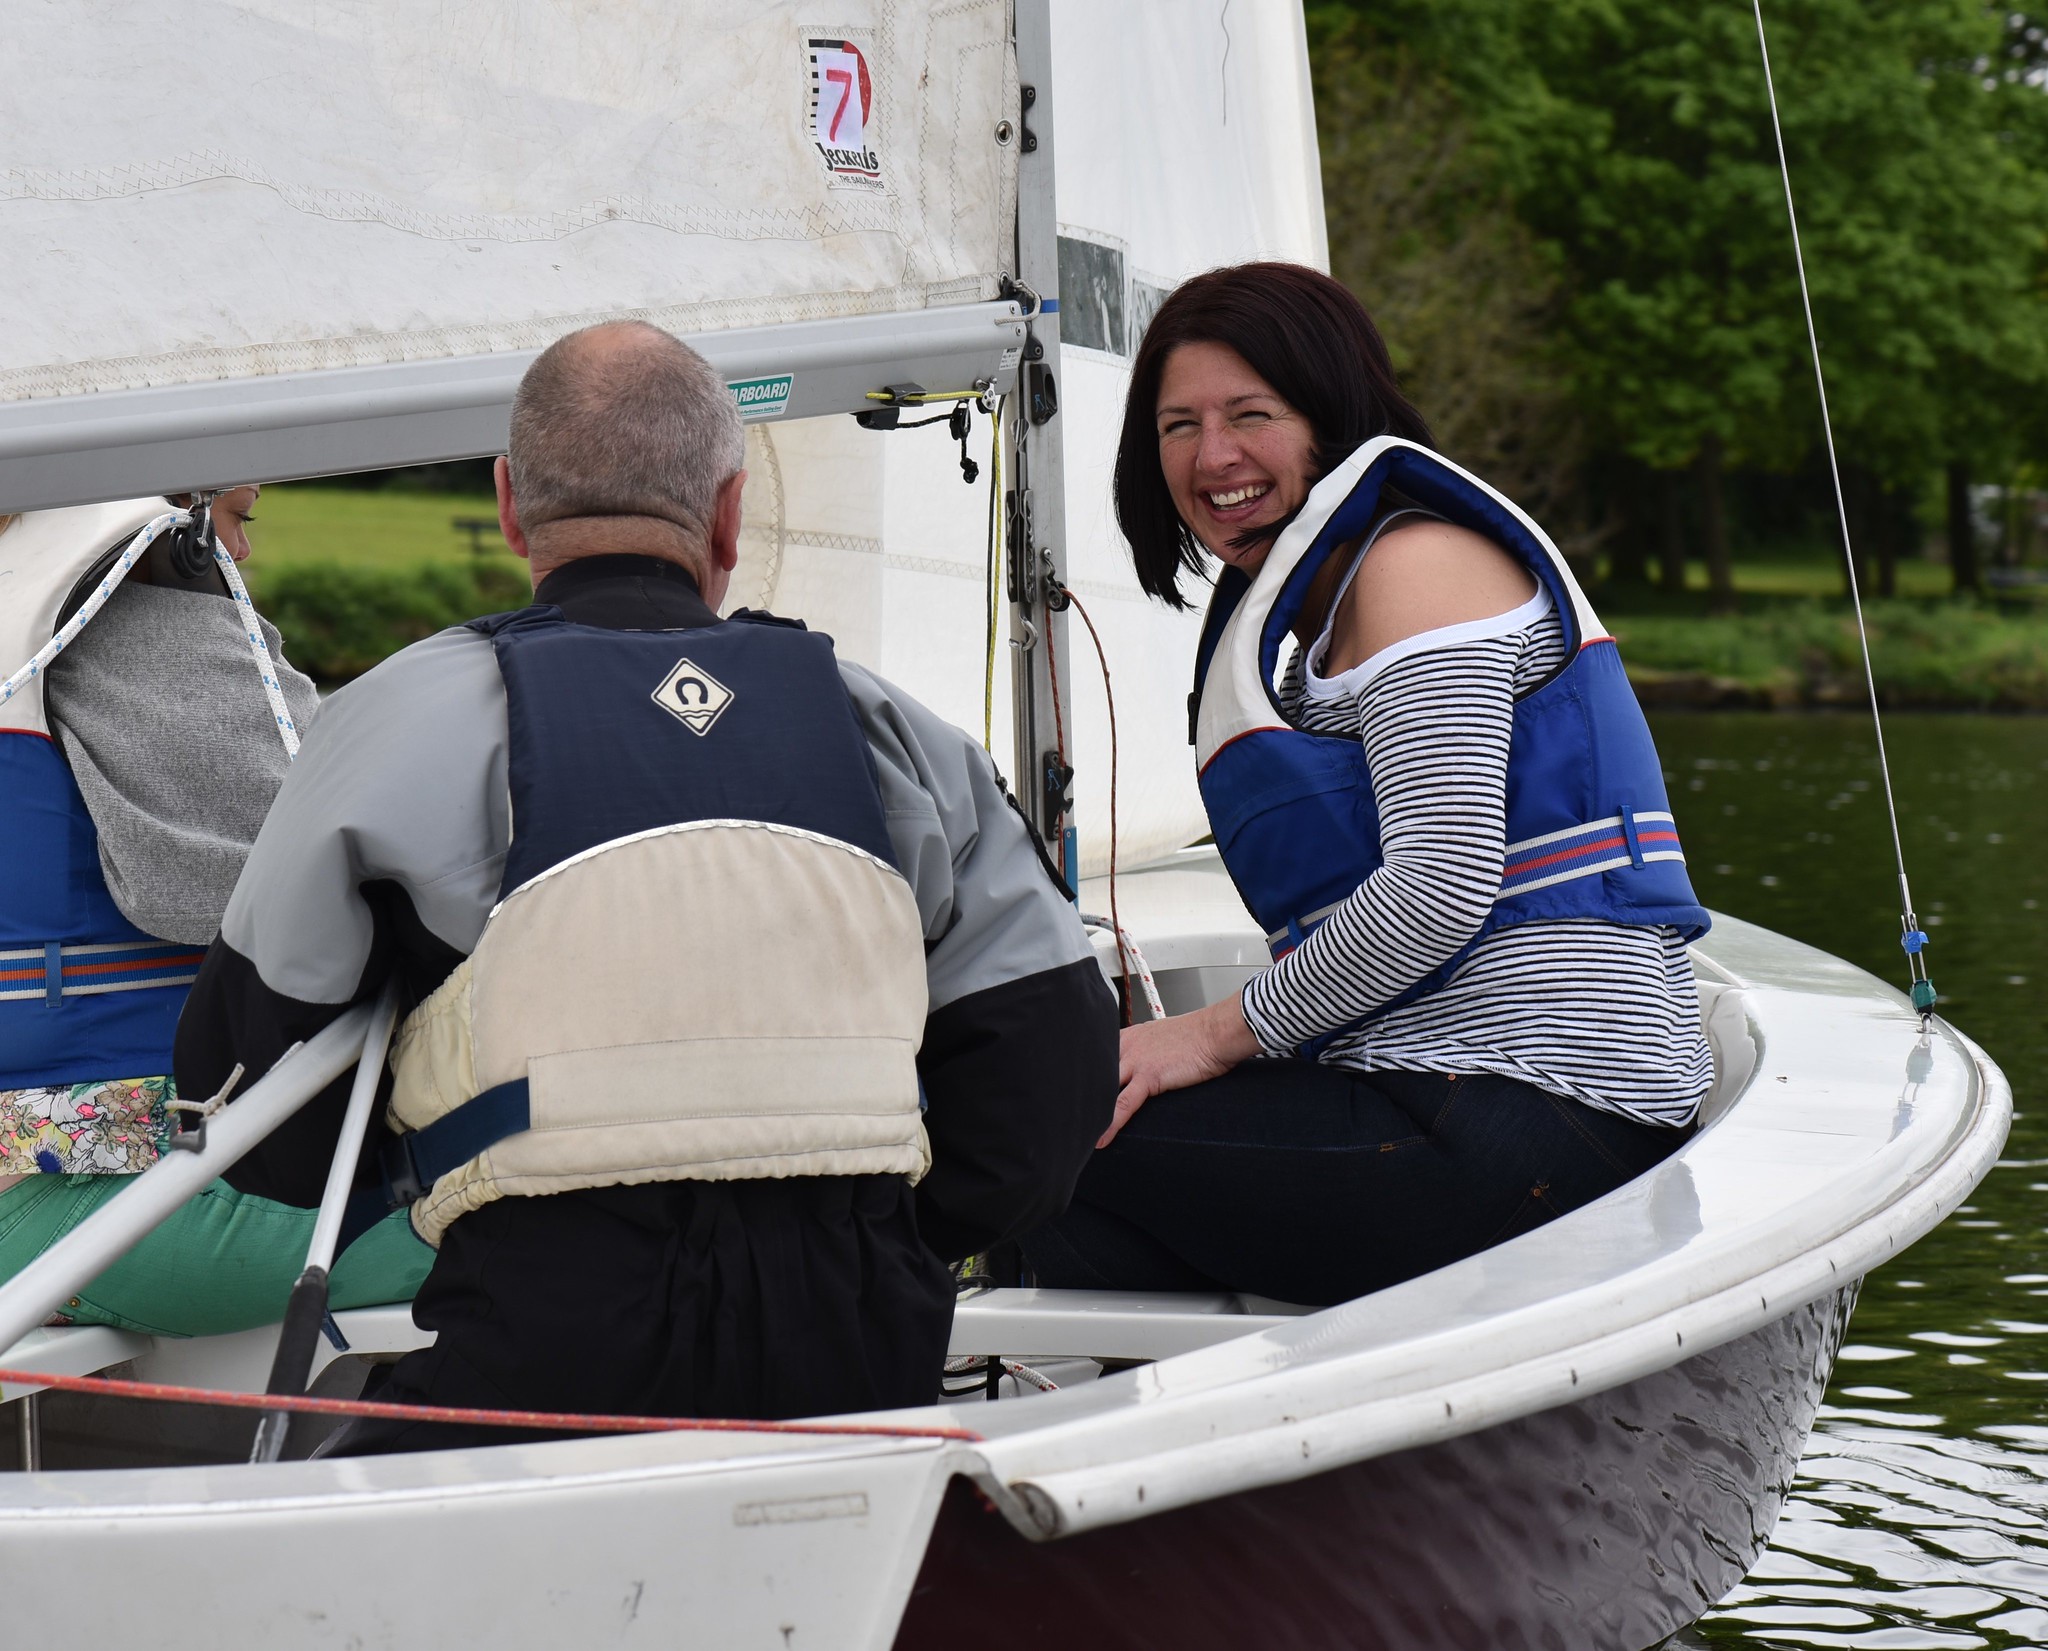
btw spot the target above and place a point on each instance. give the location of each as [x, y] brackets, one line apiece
[400, 1173]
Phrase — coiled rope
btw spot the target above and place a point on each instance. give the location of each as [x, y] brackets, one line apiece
[556, 1421]
[1911, 936]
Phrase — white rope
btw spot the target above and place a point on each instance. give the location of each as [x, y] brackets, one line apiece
[67, 633]
[287, 730]
[77, 622]
[1132, 961]
[1923, 1000]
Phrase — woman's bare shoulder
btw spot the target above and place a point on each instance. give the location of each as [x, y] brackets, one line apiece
[1423, 575]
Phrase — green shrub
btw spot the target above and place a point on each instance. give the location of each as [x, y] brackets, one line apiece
[338, 619]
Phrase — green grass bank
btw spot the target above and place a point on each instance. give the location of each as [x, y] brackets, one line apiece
[349, 576]
[1793, 643]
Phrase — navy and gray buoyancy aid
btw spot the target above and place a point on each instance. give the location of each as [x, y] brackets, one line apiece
[1590, 832]
[704, 963]
[84, 994]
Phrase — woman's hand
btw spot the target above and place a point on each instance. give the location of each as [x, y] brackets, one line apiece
[1158, 1055]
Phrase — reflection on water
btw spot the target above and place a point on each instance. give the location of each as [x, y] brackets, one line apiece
[1920, 1518]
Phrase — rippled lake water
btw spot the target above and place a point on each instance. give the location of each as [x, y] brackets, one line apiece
[1920, 1518]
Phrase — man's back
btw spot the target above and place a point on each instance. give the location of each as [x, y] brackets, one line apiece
[389, 851]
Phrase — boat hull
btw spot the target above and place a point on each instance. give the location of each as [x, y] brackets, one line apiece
[1610, 1522]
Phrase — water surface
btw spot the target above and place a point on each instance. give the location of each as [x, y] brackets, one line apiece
[1920, 1518]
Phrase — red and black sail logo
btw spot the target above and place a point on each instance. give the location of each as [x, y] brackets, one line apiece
[842, 95]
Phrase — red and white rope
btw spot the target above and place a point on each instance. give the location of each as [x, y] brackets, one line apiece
[1131, 959]
[555, 1421]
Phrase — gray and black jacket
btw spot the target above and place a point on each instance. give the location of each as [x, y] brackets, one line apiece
[386, 849]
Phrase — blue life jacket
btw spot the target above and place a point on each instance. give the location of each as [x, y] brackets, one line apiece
[1590, 832]
[85, 996]
[584, 729]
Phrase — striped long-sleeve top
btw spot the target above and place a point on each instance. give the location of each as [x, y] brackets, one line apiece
[1604, 1013]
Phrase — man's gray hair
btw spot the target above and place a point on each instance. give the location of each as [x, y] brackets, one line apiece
[622, 419]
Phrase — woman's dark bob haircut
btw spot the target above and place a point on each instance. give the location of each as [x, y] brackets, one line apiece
[1300, 331]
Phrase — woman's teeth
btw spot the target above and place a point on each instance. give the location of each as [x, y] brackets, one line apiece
[1238, 496]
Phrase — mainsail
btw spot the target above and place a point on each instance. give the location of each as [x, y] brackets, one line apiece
[224, 189]
[269, 240]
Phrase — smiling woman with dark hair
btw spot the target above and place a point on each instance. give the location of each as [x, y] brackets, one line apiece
[1447, 812]
[1289, 325]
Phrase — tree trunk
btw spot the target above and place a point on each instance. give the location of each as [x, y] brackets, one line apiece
[1671, 523]
[1714, 528]
[1890, 526]
[1629, 561]
[1962, 535]
[1858, 526]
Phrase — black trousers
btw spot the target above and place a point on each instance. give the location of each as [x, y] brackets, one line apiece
[762, 1299]
[1316, 1184]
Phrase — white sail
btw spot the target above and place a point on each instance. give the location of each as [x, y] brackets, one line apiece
[233, 188]
[1186, 139]
[271, 239]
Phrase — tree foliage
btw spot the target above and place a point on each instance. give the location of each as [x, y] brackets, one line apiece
[1423, 231]
[1633, 141]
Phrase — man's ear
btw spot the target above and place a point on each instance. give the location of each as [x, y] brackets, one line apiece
[508, 509]
[723, 541]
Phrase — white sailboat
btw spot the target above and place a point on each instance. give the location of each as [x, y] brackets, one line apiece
[266, 240]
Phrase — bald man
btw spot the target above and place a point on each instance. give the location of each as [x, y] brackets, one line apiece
[739, 1002]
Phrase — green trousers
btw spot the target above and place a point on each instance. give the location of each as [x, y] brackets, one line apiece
[225, 1260]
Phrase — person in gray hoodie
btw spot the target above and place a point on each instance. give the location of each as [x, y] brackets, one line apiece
[164, 725]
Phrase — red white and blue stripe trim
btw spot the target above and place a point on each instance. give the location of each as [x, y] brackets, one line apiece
[1624, 839]
[53, 971]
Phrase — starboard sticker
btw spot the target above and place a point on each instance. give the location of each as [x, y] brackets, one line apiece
[763, 397]
[841, 107]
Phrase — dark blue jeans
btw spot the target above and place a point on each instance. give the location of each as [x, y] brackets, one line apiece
[1315, 1184]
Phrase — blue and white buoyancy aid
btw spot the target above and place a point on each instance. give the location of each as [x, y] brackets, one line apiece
[704, 963]
[84, 994]
[1590, 831]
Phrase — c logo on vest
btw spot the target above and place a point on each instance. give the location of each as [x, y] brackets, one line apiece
[693, 696]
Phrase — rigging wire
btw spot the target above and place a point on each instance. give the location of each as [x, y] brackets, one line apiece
[1052, 673]
[989, 596]
[1135, 971]
[1912, 937]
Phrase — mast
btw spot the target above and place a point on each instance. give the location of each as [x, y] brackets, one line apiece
[1035, 506]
